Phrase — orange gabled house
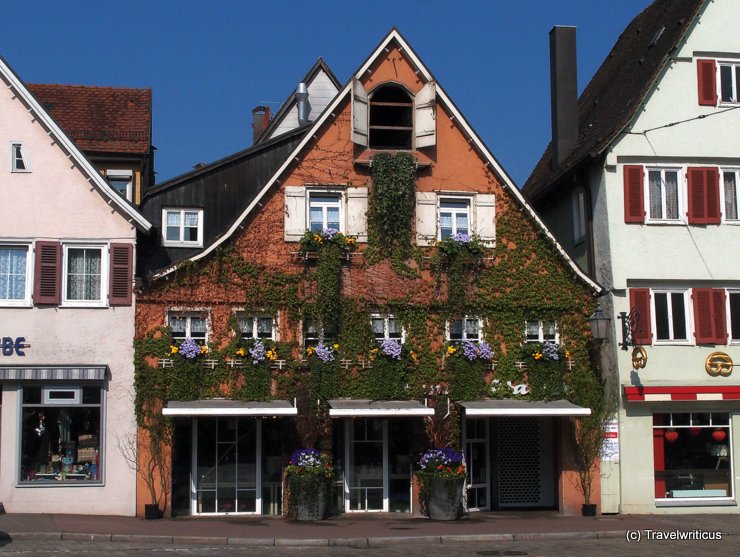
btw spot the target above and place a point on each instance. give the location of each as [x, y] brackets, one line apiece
[384, 291]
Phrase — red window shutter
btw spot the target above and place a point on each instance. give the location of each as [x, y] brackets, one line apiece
[634, 201]
[707, 81]
[704, 195]
[47, 281]
[121, 271]
[709, 316]
[641, 329]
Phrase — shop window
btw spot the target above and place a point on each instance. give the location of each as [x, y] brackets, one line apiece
[465, 328]
[188, 325]
[314, 333]
[386, 327]
[60, 437]
[541, 331]
[692, 456]
[182, 227]
[18, 160]
[14, 269]
[256, 326]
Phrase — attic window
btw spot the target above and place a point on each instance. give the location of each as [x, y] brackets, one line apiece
[18, 162]
[391, 118]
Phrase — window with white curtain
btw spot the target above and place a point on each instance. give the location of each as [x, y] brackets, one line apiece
[256, 326]
[85, 276]
[386, 327]
[188, 325]
[182, 227]
[730, 193]
[664, 194]
[465, 328]
[14, 280]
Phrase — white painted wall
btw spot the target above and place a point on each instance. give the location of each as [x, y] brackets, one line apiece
[56, 201]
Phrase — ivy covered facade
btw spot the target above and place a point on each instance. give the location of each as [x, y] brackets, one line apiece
[385, 292]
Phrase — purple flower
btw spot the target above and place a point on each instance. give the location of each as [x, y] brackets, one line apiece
[551, 351]
[257, 352]
[325, 353]
[306, 457]
[470, 350]
[441, 457]
[485, 352]
[329, 233]
[391, 348]
[189, 349]
[461, 238]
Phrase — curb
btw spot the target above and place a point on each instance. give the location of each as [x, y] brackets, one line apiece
[356, 543]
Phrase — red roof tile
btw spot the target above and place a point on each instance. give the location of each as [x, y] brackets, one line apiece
[100, 119]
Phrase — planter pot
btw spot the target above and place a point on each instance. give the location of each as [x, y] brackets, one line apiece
[445, 499]
[310, 510]
[588, 510]
[152, 512]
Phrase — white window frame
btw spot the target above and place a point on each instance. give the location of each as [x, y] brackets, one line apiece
[680, 192]
[254, 318]
[728, 292]
[338, 201]
[26, 301]
[579, 215]
[735, 85]
[722, 197]
[121, 175]
[104, 263]
[688, 311]
[181, 242]
[188, 315]
[457, 198]
[14, 160]
[541, 332]
[319, 338]
[386, 317]
[464, 318]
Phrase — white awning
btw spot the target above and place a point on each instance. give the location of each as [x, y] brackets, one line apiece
[53, 373]
[357, 408]
[514, 407]
[223, 407]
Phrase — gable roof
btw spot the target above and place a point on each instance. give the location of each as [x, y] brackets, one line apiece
[100, 119]
[619, 87]
[66, 144]
[395, 36]
[319, 67]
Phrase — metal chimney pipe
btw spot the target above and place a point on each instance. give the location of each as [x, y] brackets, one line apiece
[563, 92]
[301, 95]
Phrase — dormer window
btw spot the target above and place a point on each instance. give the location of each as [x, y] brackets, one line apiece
[392, 117]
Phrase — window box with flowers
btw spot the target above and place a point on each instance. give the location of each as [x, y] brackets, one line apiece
[442, 475]
[546, 363]
[388, 377]
[468, 364]
[309, 478]
[313, 243]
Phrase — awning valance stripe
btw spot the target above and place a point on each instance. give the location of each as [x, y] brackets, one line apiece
[362, 408]
[674, 393]
[48, 373]
[219, 407]
[515, 407]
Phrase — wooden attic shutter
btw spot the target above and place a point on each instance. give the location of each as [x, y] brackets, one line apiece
[641, 330]
[703, 195]
[47, 281]
[707, 82]
[121, 274]
[425, 118]
[709, 315]
[634, 200]
[485, 218]
[359, 113]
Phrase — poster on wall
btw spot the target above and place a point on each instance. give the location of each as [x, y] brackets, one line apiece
[610, 443]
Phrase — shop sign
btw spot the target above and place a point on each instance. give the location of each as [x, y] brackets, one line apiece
[610, 443]
[12, 346]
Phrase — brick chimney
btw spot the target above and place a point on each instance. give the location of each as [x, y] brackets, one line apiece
[260, 120]
[563, 92]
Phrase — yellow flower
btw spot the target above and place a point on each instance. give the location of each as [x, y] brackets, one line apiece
[310, 350]
[451, 350]
[174, 349]
[336, 346]
[414, 357]
[316, 238]
[350, 241]
[537, 356]
[241, 352]
[204, 349]
[271, 354]
[567, 355]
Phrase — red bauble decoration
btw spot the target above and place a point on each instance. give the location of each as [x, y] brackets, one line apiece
[671, 435]
[719, 435]
[694, 431]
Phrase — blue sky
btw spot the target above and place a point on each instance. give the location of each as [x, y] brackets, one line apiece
[209, 63]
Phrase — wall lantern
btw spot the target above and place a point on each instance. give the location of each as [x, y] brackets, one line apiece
[599, 324]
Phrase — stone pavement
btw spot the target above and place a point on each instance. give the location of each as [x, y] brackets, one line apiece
[355, 530]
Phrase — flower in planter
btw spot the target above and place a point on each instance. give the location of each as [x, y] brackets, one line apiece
[190, 349]
[257, 352]
[459, 243]
[545, 352]
[309, 481]
[174, 349]
[312, 242]
[241, 352]
[324, 353]
[391, 348]
[444, 463]
[471, 351]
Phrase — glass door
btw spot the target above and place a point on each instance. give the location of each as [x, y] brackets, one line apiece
[225, 465]
[366, 465]
[477, 459]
